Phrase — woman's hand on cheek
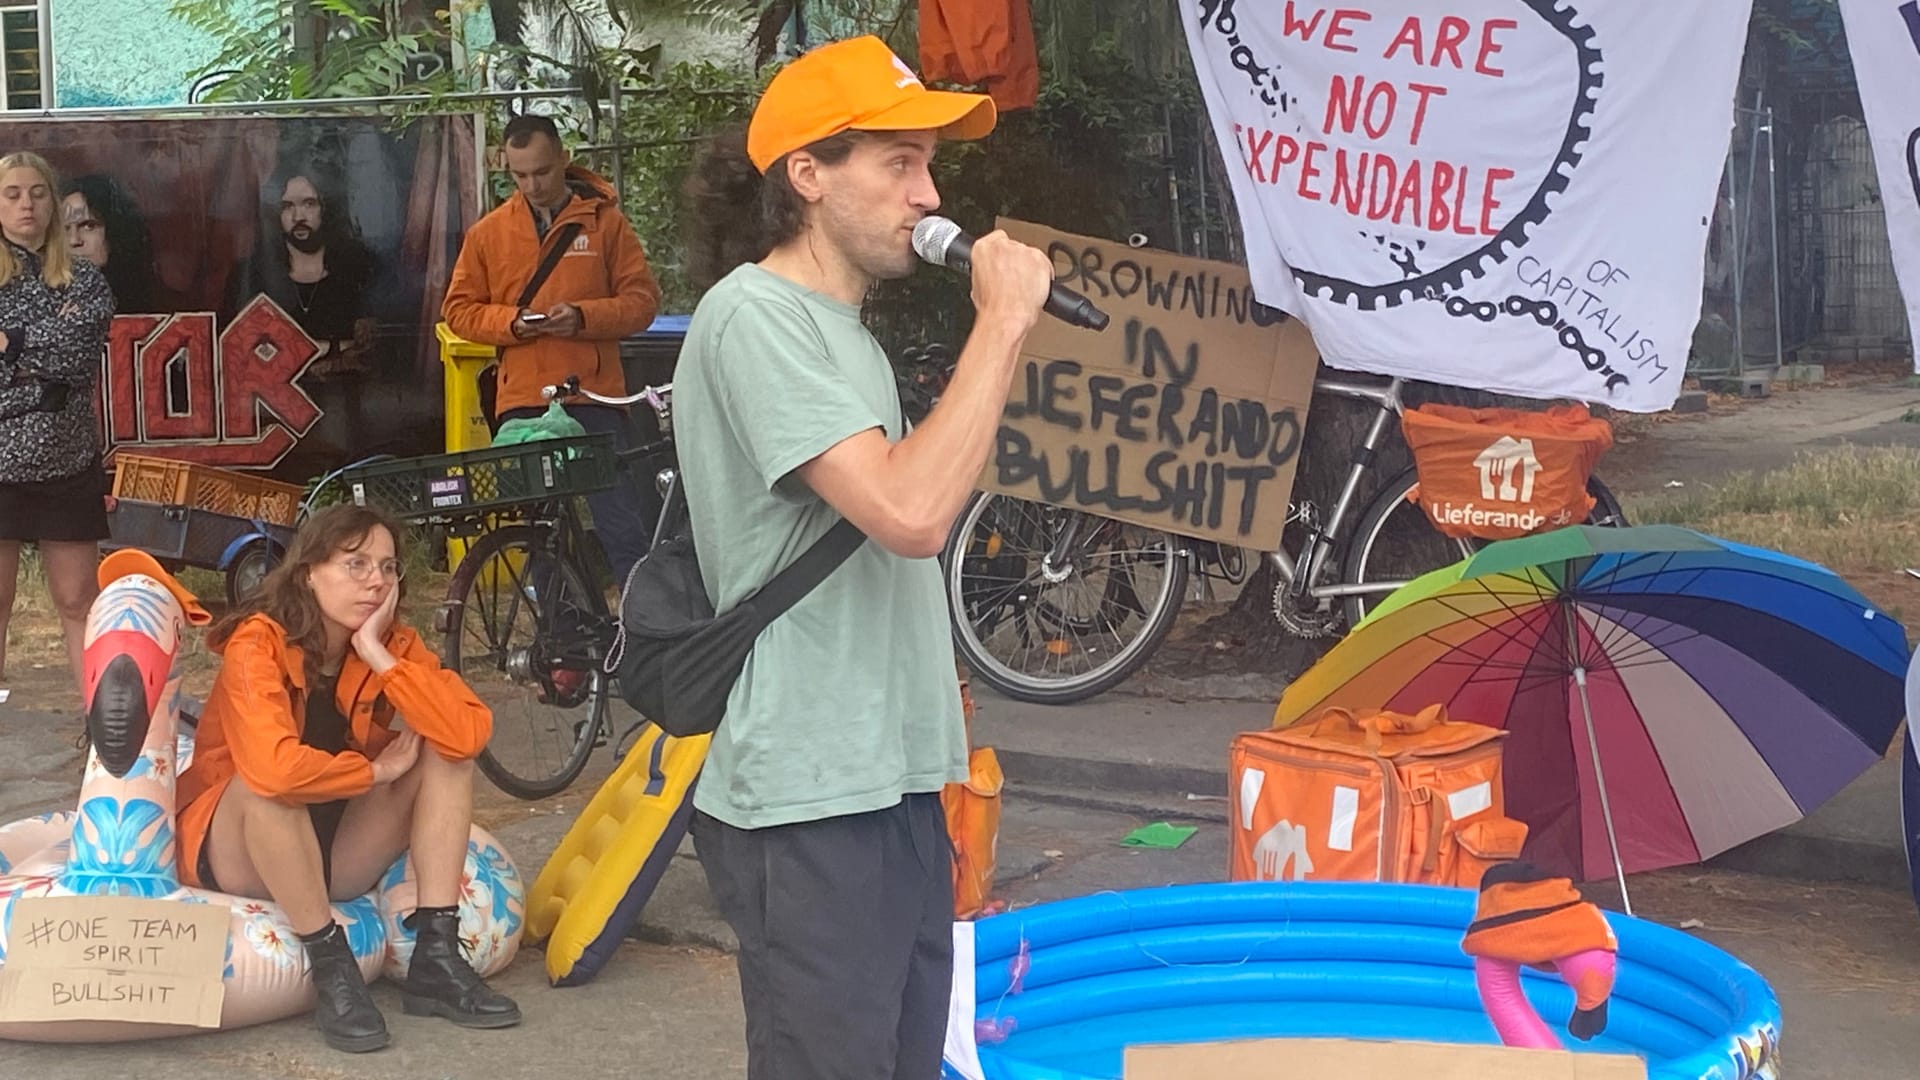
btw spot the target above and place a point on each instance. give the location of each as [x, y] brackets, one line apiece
[369, 640]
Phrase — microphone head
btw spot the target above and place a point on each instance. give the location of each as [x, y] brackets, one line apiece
[933, 237]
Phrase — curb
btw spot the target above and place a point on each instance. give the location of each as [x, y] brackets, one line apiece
[1054, 771]
[1826, 859]
[1163, 792]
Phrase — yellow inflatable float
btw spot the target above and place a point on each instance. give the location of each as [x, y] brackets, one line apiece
[597, 880]
[610, 862]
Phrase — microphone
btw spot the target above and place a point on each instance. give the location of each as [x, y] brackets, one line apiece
[943, 243]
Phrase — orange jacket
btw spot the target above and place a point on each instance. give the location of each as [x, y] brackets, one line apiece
[605, 275]
[254, 714]
[984, 43]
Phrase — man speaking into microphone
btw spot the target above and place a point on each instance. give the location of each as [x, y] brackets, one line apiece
[817, 816]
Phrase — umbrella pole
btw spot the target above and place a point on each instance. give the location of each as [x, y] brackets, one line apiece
[1600, 779]
[1593, 748]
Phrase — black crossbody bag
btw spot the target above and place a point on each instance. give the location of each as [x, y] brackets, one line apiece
[676, 660]
[489, 376]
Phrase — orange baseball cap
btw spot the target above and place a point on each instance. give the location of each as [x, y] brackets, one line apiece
[856, 85]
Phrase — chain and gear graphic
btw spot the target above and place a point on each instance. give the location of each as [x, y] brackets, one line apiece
[1562, 16]
[1547, 314]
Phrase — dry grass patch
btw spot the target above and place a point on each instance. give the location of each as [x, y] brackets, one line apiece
[1853, 510]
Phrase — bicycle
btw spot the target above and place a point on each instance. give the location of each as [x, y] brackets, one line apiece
[526, 621]
[1078, 593]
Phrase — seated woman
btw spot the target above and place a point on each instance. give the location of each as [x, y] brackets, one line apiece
[333, 742]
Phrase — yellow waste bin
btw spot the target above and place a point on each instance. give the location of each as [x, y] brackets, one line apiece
[464, 360]
[466, 421]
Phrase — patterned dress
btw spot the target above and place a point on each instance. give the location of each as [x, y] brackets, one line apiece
[49, 430]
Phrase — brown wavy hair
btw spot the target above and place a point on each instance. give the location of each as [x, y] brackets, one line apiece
[735, 214]
[287, 598]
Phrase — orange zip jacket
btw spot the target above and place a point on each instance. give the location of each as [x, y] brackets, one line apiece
[251, 724]
[605, 275]
[984, 43]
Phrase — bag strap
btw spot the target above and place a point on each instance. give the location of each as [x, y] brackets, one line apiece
[562, 239]
[809, 570]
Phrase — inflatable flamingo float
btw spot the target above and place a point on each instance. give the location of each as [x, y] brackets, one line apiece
[1527, 919]
[120, 840]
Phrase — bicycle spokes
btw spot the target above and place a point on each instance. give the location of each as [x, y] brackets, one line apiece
[526, 643]
[1054, 596]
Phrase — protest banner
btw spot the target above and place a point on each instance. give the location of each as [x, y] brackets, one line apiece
[1186, 413]
[1883, 37]
[1508, 195]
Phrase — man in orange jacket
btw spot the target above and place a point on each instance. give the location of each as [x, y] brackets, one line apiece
[599, 290]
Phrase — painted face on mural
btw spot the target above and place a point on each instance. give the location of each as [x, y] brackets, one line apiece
[539, 170]
[86, 233]
[870, 203]
[26, 206]
[300, 215]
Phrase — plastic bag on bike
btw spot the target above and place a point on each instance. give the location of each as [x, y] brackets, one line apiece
[1496, 474]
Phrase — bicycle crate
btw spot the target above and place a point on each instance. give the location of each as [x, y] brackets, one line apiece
[170, 482]
[449, 485]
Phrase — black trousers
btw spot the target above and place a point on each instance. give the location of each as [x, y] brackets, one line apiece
[846, 940]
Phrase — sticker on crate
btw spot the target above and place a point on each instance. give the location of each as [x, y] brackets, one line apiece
[447, 491]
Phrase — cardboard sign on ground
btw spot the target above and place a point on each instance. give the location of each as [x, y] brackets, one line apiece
[114, 958]
[1187, 413]
[1356, 1059]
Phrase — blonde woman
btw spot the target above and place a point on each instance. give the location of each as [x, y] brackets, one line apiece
[54, 312]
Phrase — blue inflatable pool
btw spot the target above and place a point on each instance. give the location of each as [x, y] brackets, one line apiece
[1201, 963]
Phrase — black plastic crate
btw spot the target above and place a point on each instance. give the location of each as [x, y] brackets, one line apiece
[446, 486]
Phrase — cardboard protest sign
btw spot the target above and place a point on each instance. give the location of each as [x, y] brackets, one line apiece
[1355, 1059]
[114, 958]
[1187, 413]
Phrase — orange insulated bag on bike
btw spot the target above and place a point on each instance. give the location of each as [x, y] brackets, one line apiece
[1385, 797]
[1494, 474]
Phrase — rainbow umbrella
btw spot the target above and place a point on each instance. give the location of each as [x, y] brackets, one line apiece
[1669, 695]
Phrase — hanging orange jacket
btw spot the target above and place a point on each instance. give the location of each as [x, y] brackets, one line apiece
[984, 43]
[251, 724]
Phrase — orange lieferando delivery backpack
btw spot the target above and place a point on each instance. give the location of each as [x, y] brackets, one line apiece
[1380, 797]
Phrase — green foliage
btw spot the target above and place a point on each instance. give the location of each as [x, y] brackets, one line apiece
[1093, 157]
[663, 118]
[328, 49]
[1117, 134]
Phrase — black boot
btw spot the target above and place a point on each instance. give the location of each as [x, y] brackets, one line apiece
[440, 982]
[347, 1017]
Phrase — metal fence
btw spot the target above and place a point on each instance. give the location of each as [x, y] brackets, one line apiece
[1740, 330]
[1841, 300]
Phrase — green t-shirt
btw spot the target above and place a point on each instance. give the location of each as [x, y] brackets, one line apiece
[850, 699]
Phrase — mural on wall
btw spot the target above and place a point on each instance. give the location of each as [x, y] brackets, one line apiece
[276, 280]
[94, 68]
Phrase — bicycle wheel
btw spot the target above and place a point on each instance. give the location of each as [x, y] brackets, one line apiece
[1395, 529]
[1394, 543]
[523, 629]
[1607, 511]
[1057, 634]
